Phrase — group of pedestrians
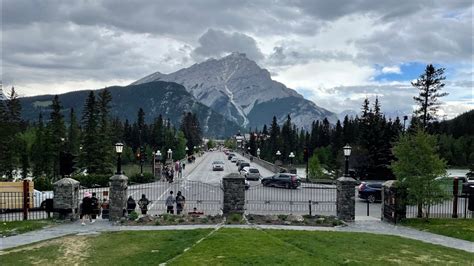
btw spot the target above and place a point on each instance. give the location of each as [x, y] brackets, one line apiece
[172, 171]
[91, 208]
[142, 204]
[180, 200]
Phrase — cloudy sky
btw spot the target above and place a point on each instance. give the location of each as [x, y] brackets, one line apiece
[334, 52]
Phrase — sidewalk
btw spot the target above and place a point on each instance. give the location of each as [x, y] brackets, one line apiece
[367, 226]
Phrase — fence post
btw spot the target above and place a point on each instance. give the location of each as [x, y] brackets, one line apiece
[455, 197]
[26, 199]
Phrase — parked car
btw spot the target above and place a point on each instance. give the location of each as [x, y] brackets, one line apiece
[252, 174]
[285, 180]
[233, 159]
[371, 192]
[218, 166]
[238, 162]
[242, 165]
[230, 156]
[244, 171]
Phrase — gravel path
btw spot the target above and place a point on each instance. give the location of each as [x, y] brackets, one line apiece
[367, 226]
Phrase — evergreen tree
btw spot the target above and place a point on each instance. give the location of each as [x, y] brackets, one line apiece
[105, 145]
[90, 142]
[191, 129]
[10, 116]
[73, 135]
[57, 134]
[429, 85]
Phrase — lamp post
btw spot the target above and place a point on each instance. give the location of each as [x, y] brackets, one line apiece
[258, 153]
[347, 153]
[292, 155]
[170, 152]
[187, 150]
[118, 150]
[248, 149]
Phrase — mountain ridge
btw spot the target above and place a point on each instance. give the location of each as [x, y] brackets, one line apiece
[234, 86]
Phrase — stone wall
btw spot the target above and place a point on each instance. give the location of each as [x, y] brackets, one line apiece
[345, 201]
[234, 193]
[117, 196]
[265, 164]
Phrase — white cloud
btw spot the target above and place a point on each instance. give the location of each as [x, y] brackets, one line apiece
[391, 70]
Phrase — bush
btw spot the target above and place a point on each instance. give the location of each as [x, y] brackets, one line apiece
[133, 216]
[282, 217]
[43, 183]
[145, 178]
[93, 180]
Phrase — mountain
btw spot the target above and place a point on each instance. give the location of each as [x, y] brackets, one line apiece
[348, 112]
[239, 89]
[166, 98]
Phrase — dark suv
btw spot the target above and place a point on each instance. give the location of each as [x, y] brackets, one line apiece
[230, 156]
[242, 165]
[285, 180]
[371, 192]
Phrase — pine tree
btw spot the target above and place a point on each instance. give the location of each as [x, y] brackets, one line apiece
[90, 142]
[73, 134]
[105, 145]
[57, 134]
[9, 142]
[429, 85]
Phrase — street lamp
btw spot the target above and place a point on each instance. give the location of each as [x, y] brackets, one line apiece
[248, 148]
[187, 150]
[292, 155]
[170, 152]
[258, 153]
[119, 150]
[347, 153]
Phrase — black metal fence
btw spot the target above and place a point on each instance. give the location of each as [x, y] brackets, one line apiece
[205, 197]
[455, 196]
[309, 198]
[16, 206]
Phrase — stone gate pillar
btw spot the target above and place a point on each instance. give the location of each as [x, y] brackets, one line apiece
[393, 202]
[234, 194]
[117, 196]
[66, 199]
[345, 201]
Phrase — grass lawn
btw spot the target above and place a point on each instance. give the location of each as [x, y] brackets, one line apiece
[233, 247]
[457, 228]
[133, 169]
[19, 227]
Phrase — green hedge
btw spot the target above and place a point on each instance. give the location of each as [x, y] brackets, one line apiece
[93, 180]
[145, 178]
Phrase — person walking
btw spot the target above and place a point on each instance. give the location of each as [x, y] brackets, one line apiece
[131, 205]
[143, 204]
[180, 201]
[94, 207]
[180, 170]
[86, 207]
[105, 209]
[170, 203]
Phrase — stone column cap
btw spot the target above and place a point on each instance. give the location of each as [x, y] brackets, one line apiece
[346, 179]
[118, 177]
[66, 181]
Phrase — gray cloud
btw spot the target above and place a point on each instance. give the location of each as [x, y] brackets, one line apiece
[288, 56]
[215, 43]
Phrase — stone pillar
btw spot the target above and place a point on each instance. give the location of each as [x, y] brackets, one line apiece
[117, 196]
[66, 199]
[393, 202]
[345, 201]
[234, 193]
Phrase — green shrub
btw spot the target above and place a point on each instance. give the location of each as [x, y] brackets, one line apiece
[43, 183]
[142, 178]
[282, 217]
[93, 180]
[181, 220]
[157, 223]
[133, 216]
[235, 217]
[204, 220]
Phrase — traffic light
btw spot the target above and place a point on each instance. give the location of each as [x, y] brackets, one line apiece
[67, 163]
[305, 154]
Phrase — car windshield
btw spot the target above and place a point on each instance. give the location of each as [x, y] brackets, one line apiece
[254, 170]
[218, 162]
